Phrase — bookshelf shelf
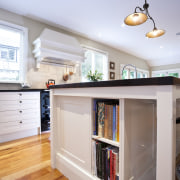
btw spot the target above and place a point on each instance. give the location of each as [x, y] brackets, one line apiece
[114, 143]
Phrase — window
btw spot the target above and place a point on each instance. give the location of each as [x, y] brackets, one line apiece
[129, 73]
[169, 72]
[95, 60]
[13, 41]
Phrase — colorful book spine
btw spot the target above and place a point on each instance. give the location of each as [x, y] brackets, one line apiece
[94, 117]
[114, 166]
[107, 176]
[94, 168]
[101, 116]
[106, 122]
[114, 123]
[117, 123]
[110, 121]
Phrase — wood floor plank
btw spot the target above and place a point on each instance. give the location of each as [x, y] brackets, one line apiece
[28, 159]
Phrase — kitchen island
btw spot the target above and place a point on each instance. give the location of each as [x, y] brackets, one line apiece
[147, 114]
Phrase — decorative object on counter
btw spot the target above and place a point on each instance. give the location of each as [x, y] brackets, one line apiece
[66, 75]
[94, 76]
[112, 65]
[71, 71]
[50, 82]
[140, 17]
[112, 75]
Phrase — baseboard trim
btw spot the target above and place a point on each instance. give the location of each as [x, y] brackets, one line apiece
[71, 170]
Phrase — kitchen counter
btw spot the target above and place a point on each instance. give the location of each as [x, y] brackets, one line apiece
[25, 90]
[127, 82]
[72, 117]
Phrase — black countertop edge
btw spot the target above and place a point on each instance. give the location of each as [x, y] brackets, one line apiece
[126, 82]
[24, 90]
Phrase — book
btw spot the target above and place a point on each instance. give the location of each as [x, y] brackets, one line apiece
[103, 162]
[117, 123]
[101, 111]
[111, 165]
[116, 162]
[98, 159]
[106, 124]
[114, 123]
[107, 175]
[110, 122]
[94, 167]
[94, 117]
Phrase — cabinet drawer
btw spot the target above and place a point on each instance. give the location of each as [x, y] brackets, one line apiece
[9, 96]
[29, 104]
[8, 116]
[9, 124]
[9, 105]
[29, 95]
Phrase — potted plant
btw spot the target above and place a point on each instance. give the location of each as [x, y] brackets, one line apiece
[94, 76]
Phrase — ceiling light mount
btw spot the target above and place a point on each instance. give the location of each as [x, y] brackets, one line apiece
[138, 18]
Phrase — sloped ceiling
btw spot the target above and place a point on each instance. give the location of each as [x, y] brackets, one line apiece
[102, 21]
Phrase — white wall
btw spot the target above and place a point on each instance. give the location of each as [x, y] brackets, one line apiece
[37, 78]
[171, 66]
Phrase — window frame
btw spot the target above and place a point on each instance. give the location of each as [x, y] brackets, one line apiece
[23, 60]
[132, 69]
[166, 72]
[106, 67]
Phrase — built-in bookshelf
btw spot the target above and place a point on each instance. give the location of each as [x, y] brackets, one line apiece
[105, 161]
[111, 142]
[105, 139]
[106, 119]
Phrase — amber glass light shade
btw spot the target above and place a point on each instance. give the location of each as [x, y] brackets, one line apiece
[135, 19]
[155, 33]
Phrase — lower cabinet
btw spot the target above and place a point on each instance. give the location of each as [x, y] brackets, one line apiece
[104, 138]
[19, 115]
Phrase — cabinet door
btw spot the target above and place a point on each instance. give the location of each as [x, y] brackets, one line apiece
[74, 130]
[140, 139]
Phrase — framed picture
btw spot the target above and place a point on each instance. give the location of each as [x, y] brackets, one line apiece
[112, 75]
[112, 65]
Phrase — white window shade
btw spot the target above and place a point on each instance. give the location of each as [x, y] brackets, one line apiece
[13, 41]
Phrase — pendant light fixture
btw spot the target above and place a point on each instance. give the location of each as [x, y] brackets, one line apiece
[138, 18]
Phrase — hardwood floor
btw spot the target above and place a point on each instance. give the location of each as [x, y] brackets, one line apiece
[28, 159]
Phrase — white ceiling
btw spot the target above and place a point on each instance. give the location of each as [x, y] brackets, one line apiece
[102, 21]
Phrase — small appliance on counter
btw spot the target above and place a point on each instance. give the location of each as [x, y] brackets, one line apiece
[50, 82]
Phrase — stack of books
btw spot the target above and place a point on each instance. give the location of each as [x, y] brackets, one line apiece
[105, 161]
[106, 119]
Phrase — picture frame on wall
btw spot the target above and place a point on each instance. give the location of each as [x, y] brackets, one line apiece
[112, 65]
[112, 75]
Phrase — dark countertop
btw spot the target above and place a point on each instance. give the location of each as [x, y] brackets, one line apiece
[126, 82]
[24, 90]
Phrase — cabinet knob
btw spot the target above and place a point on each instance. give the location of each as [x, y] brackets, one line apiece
[20, 122]
[20, 94]
[20, 111]
[20, 101]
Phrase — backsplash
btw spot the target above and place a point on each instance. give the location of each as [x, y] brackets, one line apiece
[37, 78]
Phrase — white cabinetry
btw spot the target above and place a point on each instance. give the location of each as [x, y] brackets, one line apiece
[147, 131]
[19, 115]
